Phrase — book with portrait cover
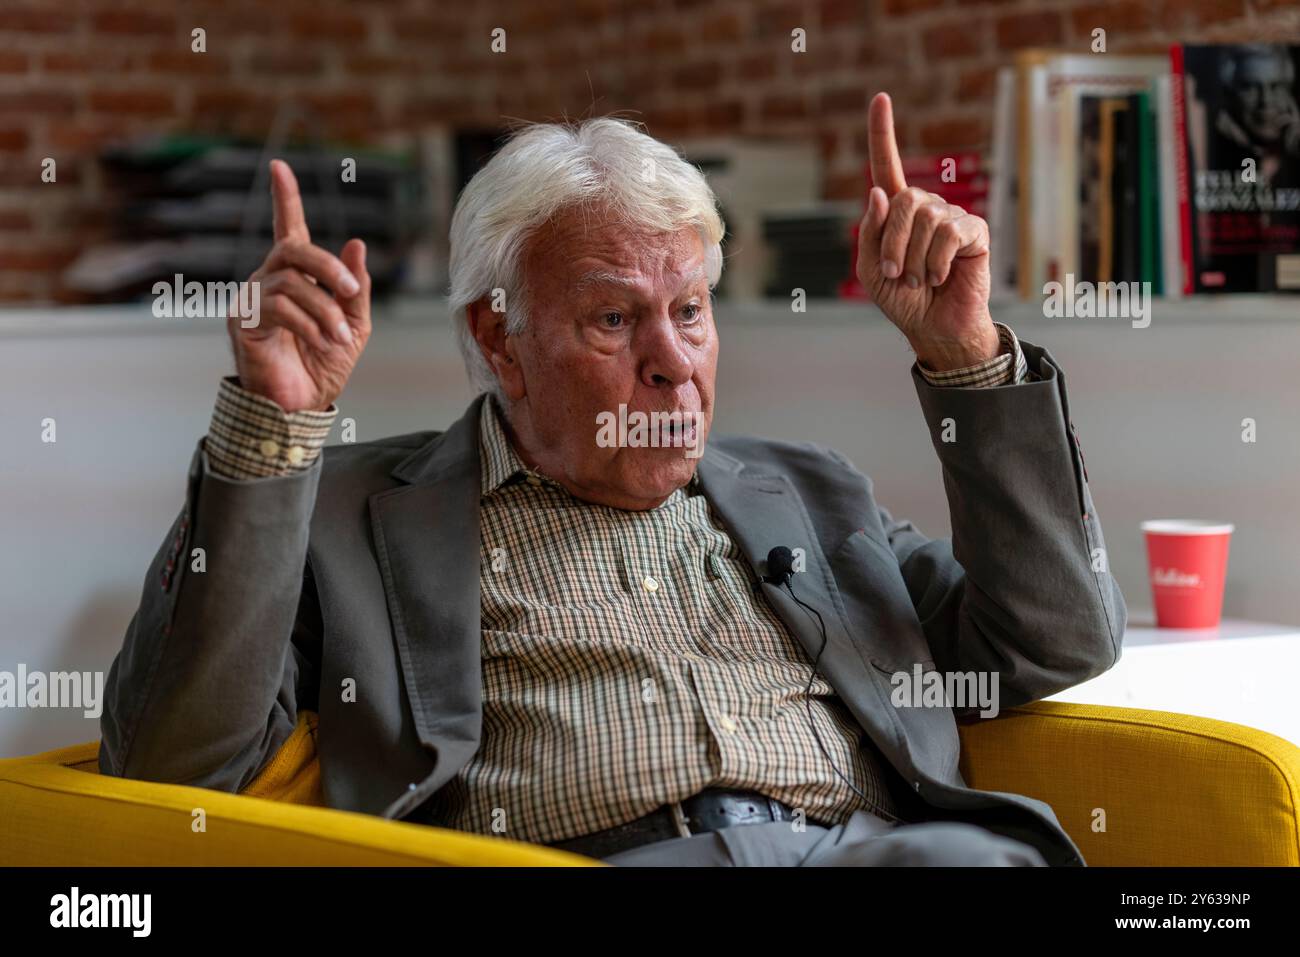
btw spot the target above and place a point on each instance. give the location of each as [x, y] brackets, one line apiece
[1239, 186]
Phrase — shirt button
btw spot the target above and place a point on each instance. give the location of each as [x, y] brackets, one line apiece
[650, 584]
[295, 454]
[532, 480]
[269, 448]
[727, 723]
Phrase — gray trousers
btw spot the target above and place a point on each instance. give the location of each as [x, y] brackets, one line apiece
[864, 840]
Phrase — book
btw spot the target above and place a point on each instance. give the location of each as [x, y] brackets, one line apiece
[1044, 76]
[1171, 260]
[1240, 146]
[1089, 187]
[1002, 189]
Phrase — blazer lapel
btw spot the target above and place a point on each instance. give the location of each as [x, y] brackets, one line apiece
[763, 511]
[427, 544]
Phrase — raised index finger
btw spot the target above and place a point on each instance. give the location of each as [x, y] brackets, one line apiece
[886, 166]
[290, 222]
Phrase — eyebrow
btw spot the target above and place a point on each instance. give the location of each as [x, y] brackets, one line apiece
[599, 277]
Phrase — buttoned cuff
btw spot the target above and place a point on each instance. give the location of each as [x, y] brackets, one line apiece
[252, 437]
[1008, 367]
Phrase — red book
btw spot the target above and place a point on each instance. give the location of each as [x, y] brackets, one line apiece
[1179, 91]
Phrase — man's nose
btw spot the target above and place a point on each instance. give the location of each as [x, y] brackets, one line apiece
[665, 360]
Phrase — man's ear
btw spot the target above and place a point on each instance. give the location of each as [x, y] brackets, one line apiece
[488, 327]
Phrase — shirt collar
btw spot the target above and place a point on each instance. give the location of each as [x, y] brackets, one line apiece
[499, 463]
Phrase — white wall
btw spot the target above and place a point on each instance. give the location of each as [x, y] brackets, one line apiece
[1158, 411]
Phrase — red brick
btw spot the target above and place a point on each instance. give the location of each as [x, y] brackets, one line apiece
[333, 26]
[952, 40]
[954, 134]
[844, 99]
[13, 62]
[82, 137]
[819, 59]
[227, 100]
[284, 61]
[976, 84]
[844, 13]
[13, 138]
[1018, 30]
[901, 8]
[1129, 17]
[15, 219]
[38, 21]
[1205, 12]
[74, 64]
[661, 39]
[724, 115]
[431, 28]
[134, 102]
[757, 66]
[188, 63]
[367, 64]
[134, 22]
[700, 75]
[38, 102]
[339, 103]
[890, 50]
[783, 107]
[778, 20]
[37, 258]
[723, 28]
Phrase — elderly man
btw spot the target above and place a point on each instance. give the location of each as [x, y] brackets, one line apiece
[623, 672]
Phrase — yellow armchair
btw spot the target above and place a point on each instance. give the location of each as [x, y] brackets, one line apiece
[1174, 789]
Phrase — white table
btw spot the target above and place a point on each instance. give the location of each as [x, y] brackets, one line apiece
[1243, 671]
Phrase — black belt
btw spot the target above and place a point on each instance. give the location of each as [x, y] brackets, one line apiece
[710, 810]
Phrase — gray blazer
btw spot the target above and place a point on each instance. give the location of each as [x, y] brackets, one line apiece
[366, 567]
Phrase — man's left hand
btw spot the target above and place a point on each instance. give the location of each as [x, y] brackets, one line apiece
[925, 262]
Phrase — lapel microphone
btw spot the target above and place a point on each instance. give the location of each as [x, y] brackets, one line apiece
[780, 572]
[780, 566]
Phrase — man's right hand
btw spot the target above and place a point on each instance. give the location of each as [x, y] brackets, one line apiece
[307, 341]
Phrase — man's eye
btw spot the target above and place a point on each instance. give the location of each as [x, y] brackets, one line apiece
[691, 311]
[612, 320]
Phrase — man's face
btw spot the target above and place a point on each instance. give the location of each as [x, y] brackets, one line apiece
[1263, 102]
[615, 317]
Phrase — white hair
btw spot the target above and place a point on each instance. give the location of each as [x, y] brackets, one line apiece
[544, 169]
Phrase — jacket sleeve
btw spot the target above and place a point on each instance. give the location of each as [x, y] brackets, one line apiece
[1023, 587]
[224, 648]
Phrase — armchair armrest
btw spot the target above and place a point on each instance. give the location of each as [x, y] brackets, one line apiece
[56, 809]
[1168, 789]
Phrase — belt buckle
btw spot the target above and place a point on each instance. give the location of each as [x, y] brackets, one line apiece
[680, 820]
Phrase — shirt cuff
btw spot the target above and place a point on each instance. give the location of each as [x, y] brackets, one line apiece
[252, 437]
[1008, 367]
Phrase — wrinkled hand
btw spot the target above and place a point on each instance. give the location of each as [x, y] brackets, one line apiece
[925, 262]
[308, 339]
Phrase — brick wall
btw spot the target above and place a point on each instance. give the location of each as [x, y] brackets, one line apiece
[74, 73]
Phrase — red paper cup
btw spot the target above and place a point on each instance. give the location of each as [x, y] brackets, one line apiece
[1188, 562]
